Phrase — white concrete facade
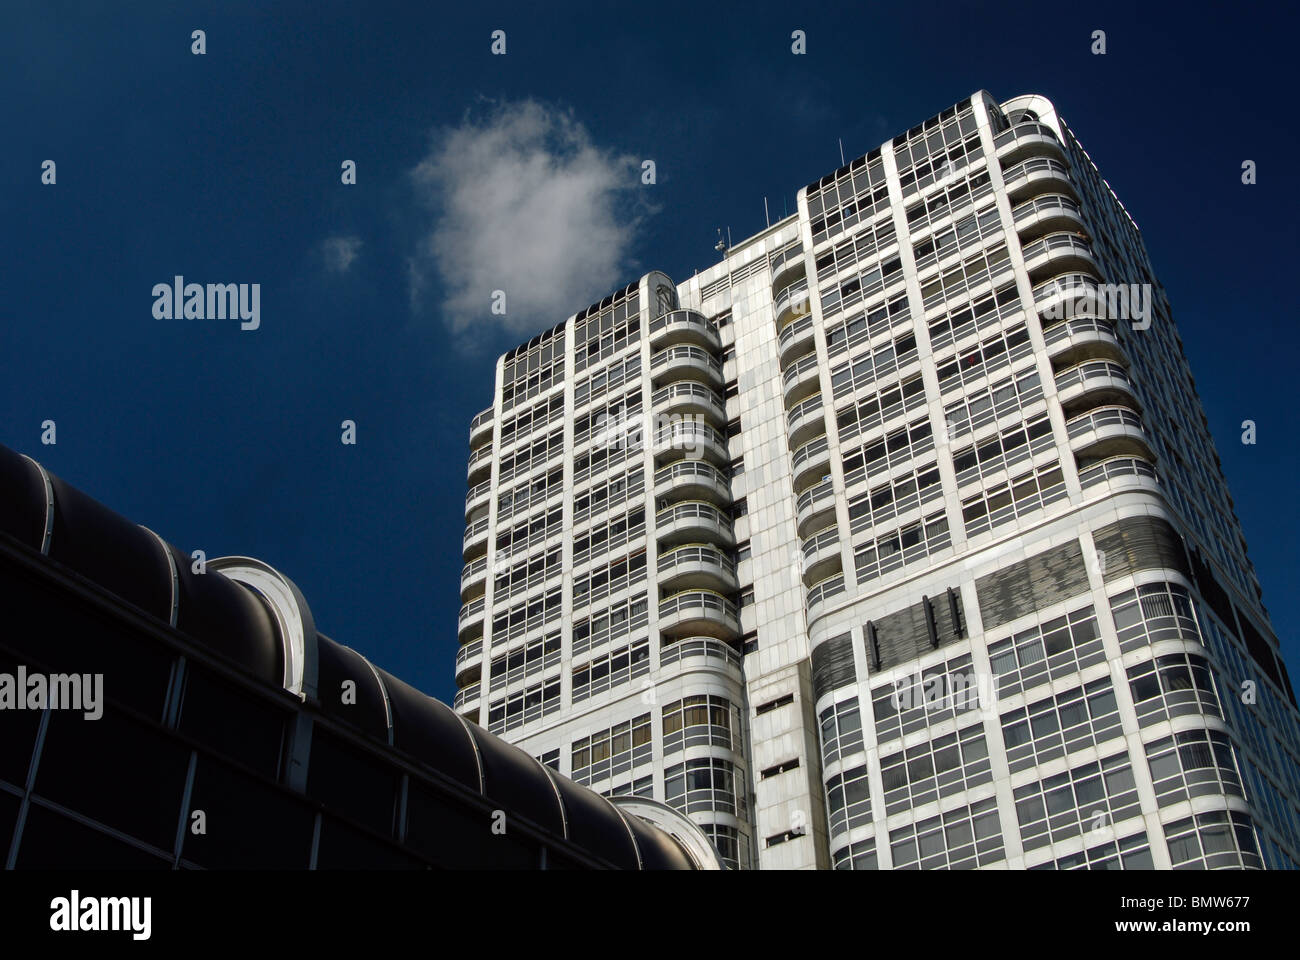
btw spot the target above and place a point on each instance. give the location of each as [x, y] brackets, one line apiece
[920, 431]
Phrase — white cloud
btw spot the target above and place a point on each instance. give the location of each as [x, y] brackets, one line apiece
[340, 252]
[523, 202]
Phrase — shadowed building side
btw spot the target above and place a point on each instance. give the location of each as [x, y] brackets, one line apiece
[231, 734]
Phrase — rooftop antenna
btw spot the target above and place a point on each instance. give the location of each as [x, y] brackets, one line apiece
[721, 245]
[728, 238]
[766, 216]
[841, 151]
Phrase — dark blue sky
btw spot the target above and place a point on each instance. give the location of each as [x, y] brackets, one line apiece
[225, 168]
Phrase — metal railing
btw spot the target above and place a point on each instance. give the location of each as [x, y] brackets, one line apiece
[1117, 467]
[1029, 128]
[706, 647]
[702, 555]
[1102, 417]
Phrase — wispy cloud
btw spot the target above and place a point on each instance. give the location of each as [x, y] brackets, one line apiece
[522, 202]
[340, 252]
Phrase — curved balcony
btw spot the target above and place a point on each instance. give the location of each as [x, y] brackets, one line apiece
[821, 556]
[692, 480]
[690, 440]
[787, 267]
[698, 565]
[1030, 139]
[1032, 178]
[469, 663]
[475, 539]
[1069, 295]
[470, 623]
[1121, 470]
[1040, 215]
[1102, 381]
[685, 362]
[476, 501]
[815, 507]
[1084, 338]
[801, 380]
[480, 465]
[822, 592]
[473, 579]
[480, 428]
[805, 421]
[693, 522]
[466, 702]
[702, 651]
[794, 341]
[699, 612]
[811, 464]
[793, 302]
[1110, 431]
[690, 399]
[684, 326]
[1057, 253]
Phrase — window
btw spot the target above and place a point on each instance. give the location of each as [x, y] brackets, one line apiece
[613, 752]
[1193, 763]
[611, 670]
[841, 730]
[960, 839]
[1171, 686]
[707, 720]
[1097, 794]
[1061, 724]
[848, 800]
[942, 767]
[1217, 839]
[1056, 648]
[706, 784]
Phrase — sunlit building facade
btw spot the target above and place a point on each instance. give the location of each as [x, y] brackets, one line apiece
[896, 539]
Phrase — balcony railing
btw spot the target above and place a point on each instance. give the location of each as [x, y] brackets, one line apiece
[468, 652]
[472, 570]
[1038, 167]
[1117, 468]
[1100, 418]
[690, 436]
[694, 395]
[706, 647]
[700, 558]
[819, 594]
[1092, 370]
[689, 356]
[792, 302]
[698, 470]
[467, 696]
[1073, 285]
[687, 322]
[1058, 244]
[1051, 203]
[1079, 331]
[475, 530]
[695, 514]
[813, 546]
[799, 330]
[471, 612]
[809, 452]
[714, 606]
[476, 494]
[1023, 130]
